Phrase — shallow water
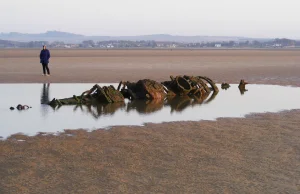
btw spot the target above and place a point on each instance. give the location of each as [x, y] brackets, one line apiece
[43, 118]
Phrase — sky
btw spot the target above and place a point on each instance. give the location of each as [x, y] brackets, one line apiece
[248, 18]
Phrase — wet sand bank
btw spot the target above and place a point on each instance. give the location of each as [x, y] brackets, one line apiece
[94, 66]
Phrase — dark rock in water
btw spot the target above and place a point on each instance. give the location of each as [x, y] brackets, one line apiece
[225, 86]
[12, 108]
[22, 107]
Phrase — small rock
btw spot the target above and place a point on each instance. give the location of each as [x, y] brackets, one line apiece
[225, 86]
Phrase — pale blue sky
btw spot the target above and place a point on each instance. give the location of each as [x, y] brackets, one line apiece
[252, 18]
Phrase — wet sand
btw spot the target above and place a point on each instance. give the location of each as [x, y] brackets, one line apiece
[257, 154]
[94, 66]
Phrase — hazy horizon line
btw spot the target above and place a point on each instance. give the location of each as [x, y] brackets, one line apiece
[68, 32]
[240, 37]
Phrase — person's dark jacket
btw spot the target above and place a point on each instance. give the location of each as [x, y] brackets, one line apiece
[44, 56]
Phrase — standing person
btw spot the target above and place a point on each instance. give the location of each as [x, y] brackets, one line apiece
[44, 59]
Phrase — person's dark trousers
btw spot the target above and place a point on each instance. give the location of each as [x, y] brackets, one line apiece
[45, 67]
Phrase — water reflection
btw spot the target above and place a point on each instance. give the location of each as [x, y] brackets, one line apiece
[45, 94]
[242, 90]
[97, 110]
[45, 98]
[144, 107]
[42, 118]
[211, 98]
[177, 104]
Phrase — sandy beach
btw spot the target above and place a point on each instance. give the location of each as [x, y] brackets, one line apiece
[93, 66]
[256, 154]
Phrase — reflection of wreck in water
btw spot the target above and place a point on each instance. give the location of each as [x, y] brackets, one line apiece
[177, 104]
[99, 109]
[144, 107]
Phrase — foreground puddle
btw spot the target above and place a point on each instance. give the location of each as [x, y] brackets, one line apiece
[43, 118]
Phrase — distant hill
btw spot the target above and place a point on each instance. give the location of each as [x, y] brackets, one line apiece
[48, 36]
[66, 37]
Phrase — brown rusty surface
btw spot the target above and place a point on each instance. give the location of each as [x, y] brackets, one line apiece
[189, 85]
[154, 89]
[113, 94]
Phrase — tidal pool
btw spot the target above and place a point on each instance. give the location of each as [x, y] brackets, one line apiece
[44, 118]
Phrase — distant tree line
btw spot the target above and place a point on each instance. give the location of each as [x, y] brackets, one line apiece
[275, 43]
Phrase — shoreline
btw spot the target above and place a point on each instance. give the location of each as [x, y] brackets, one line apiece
[252, 115]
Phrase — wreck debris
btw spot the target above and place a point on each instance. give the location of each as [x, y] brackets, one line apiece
[143, 89]
[178, 86]
[154, 93]
[189, 85]
[214, 87]
[106, 94]
[197, 82]
[20, 107]
[225, 86]
[242, 86]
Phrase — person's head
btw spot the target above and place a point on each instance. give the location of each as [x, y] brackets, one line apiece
[44, 47]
